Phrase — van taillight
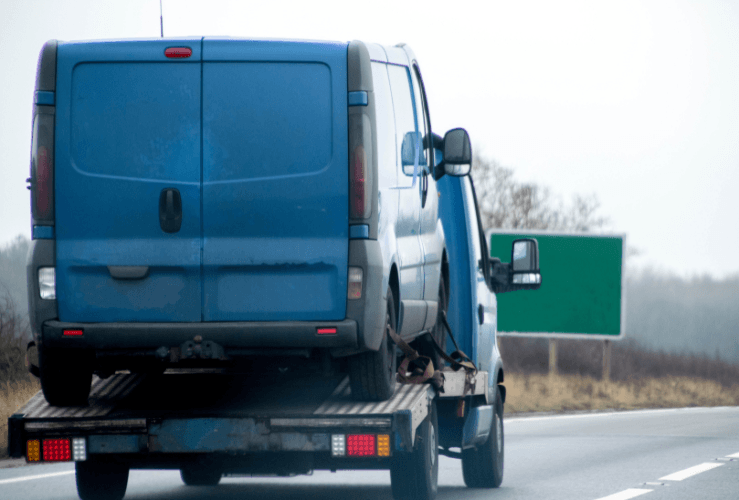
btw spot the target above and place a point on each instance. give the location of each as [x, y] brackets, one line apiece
[360, 166]
[42, 169]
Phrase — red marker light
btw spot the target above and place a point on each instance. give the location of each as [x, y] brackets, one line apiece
[326, 331]
[178, 52]
[57, 450]
[73, 333]
[360, 445]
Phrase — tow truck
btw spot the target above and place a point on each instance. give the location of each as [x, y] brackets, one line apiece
[287, 420]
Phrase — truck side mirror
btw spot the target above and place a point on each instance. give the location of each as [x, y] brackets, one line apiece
[457, 153]
[525, 262]
[522, 273]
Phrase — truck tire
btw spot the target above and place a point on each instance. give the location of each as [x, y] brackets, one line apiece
[372, 373]
[101, 481]
[415, 476]
[482, 466]
[66, 376]
[200, 476]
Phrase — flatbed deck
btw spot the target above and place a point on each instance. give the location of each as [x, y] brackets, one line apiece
[256, 412]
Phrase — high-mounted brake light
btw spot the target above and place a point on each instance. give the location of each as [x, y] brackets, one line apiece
[178, 52]
[73, 333]
[326, 331]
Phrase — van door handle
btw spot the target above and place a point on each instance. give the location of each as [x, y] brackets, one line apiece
[128, 272]
[170, 210]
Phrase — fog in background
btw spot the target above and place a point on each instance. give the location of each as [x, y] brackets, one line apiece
[618, 116]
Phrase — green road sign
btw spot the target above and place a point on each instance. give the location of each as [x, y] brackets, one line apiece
[582, 289]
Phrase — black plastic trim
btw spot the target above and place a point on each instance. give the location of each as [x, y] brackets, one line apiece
[142, 336]
[369, 311]
[16, 436]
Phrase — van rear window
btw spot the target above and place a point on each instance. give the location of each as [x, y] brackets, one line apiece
[264, 120]
[136, 120]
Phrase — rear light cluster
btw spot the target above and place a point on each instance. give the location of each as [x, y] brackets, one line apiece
[360, 445]
[56, 450]
[354, 288]
[42, 169]
[47, 283]
[360, 167]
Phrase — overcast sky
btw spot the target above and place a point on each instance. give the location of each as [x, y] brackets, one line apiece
[637, 102]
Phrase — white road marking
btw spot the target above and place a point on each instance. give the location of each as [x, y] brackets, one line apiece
[615, 414]
[42, 476]
[691, 471]
[626, 494]
[735, 455]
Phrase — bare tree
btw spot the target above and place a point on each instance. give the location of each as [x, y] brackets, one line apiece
[509, 204]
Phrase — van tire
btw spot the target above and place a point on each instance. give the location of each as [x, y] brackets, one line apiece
[101, 480]
[372, 373]
[415, 476]
[482, 466]
[66, 376]
[200, 476]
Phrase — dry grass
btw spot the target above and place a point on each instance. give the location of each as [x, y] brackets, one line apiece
[539, 392]
[13, 395]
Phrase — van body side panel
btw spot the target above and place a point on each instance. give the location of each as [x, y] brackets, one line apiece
[128, 126]
[275, 181]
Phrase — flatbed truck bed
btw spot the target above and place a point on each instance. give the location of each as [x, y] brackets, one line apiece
[276, 423]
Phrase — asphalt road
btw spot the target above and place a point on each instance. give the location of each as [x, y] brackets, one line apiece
[650, 455]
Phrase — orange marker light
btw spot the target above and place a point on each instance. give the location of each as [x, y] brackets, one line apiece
[33, 450]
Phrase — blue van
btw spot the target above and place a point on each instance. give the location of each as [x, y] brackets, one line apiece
[204, 200]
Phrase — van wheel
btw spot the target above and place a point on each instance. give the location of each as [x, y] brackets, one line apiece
[101, 481]
[372, 373]
[415, 476]
[482, 467]
[193, 476]
[66, 376]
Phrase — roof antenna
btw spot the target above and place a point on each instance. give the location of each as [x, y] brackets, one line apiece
[161, 19]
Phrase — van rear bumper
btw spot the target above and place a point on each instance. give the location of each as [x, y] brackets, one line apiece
[229, 335]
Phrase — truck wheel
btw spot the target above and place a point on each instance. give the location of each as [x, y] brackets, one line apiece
[415, 476]
[202, 476]
[66, 377]
[372, 373]
[101, 481]
[482, 467]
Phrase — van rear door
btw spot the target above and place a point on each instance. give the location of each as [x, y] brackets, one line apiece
[127, 128]
[275, 180]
